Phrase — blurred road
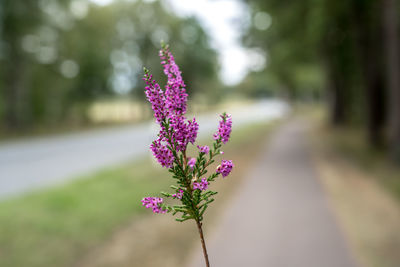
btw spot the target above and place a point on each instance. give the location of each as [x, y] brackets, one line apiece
[280, 217]
[32, 164]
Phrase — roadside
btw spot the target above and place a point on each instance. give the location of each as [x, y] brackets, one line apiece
[108, 115]
[57, 160]
[64, 226]
[364, 190]
[158, 240]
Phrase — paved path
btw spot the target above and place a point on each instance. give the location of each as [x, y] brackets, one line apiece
[30, 164]
[281, 218]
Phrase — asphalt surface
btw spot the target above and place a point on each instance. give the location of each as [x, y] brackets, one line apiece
[32, 164]
[280, 217]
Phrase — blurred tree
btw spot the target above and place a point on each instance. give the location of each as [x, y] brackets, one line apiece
[87, 58]
[260, 84]
[342, 42]
[367, 20]
[391, 40]
[278, 27]
[14, 69]
[58, 56]
[150, 24]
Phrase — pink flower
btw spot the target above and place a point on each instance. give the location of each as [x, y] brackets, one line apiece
[179, 132]
[154, 203]
[193, 128]
[204, 149]
[169, 107]
[176, 132]
[192, 162]
[224, 129]
[225, 168]
[175, 92]
[203, 185]
[163, 155]
[155, 96]
[178, 195]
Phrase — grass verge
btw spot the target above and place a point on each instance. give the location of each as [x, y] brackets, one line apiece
[58, 227]
[364, 190]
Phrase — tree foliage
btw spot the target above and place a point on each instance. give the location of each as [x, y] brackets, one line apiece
[341, 42]
[58, 56]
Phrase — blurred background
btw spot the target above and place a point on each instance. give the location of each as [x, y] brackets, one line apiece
[75, 126]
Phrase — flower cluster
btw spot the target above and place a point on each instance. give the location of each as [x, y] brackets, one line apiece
[163, 155]
[156, 97]
[225, 168]
[224, 129]
[175, 92]
[169, 108]
[193, 128]
[170, 147]
[192, 162]
[178, 195]
[154, 203]
[203, 149]
[203, 185]
[181, 132]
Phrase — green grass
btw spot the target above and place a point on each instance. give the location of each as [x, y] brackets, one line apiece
[56, 227]
[364, 187]
[350, 144]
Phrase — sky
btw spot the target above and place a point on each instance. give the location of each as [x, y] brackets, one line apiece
[223, 20]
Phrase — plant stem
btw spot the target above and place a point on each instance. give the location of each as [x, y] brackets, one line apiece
[203, 243]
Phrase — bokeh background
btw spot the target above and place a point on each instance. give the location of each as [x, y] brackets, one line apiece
[75, 126]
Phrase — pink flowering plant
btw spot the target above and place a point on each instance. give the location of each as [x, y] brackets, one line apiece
[176, 133]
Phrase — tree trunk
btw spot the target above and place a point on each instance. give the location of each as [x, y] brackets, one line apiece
[391, 43]
[336, 97]
[368, 34]
[375, 110]
[16, 94]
